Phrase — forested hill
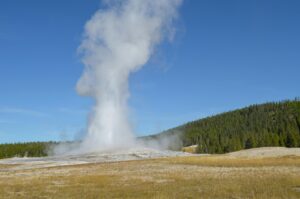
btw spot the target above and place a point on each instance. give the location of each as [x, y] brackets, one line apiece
[269, 124]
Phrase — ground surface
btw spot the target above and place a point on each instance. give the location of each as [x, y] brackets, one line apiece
[254, 173]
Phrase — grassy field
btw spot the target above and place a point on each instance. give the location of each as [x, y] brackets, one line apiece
[216, 176]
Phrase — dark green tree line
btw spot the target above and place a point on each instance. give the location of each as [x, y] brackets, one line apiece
[270, 124]
[29, 149]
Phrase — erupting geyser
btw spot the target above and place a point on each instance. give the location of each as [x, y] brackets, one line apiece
[118, 40]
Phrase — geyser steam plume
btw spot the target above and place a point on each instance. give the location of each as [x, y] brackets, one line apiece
[118, 40]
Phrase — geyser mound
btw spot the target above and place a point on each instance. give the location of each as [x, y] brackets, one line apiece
[91, 157]
[118, 41]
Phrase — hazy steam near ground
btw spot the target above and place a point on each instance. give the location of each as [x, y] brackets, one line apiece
[166, 140]
[118, 40]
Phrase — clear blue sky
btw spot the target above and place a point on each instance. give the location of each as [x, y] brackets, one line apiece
[226, 55]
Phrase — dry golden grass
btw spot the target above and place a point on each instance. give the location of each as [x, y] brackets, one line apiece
[189, 149]
[227, 161]
[180, 177]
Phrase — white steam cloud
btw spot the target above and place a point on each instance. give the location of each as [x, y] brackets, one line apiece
[118, 40]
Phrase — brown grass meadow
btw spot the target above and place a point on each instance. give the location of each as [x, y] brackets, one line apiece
[215, 176]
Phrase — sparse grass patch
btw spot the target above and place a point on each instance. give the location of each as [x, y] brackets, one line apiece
[227, 161]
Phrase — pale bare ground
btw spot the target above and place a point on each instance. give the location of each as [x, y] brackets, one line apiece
[266, 152]
[95, 157]
[210, 176]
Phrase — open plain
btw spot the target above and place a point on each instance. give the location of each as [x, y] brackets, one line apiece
[255, 173]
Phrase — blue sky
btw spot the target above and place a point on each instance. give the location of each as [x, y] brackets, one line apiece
[226, 55]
